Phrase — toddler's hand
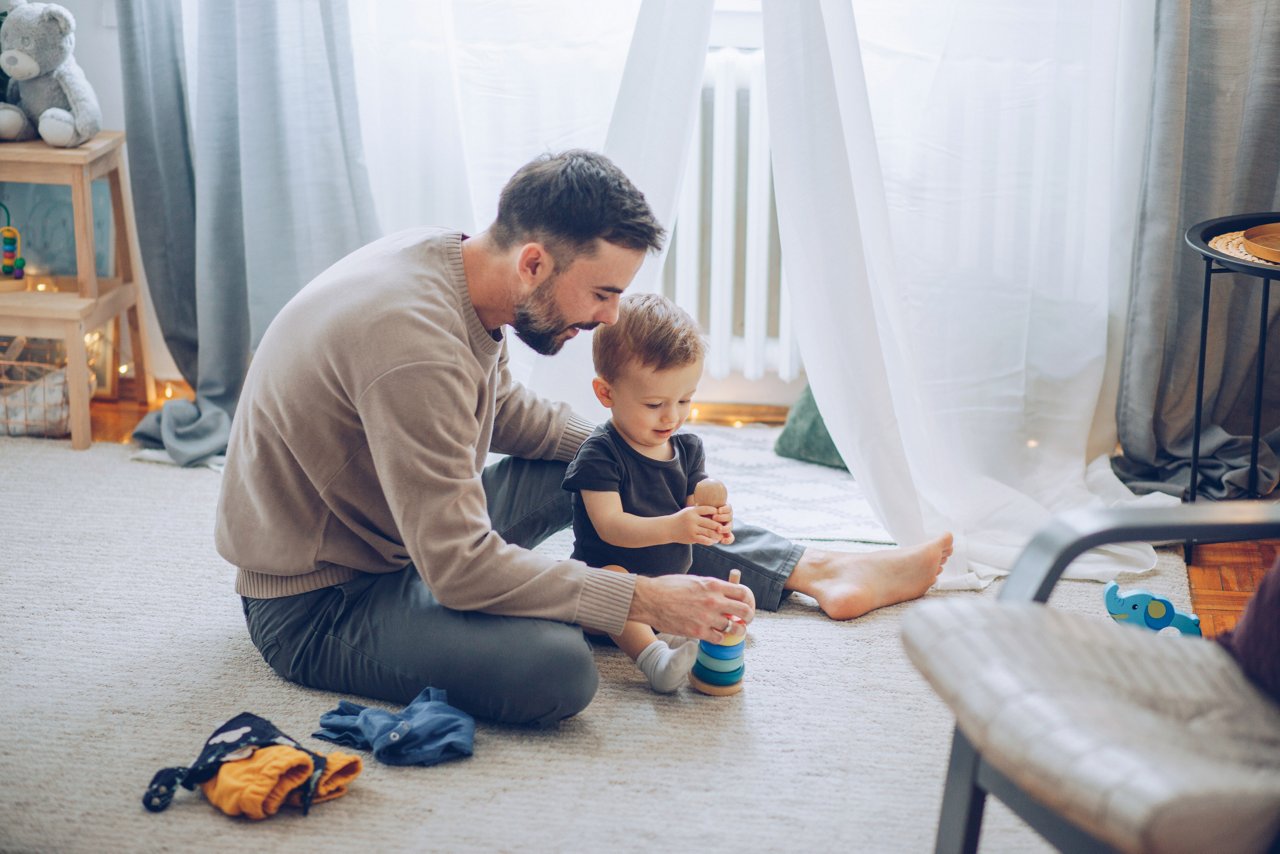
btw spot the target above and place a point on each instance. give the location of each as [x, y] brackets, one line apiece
[724, 515]
[695, 526]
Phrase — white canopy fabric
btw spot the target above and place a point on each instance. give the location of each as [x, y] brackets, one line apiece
[956, 182]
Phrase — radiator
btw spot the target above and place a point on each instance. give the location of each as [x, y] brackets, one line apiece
[724, 264]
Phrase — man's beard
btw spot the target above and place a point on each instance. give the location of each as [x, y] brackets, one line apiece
[540, 324]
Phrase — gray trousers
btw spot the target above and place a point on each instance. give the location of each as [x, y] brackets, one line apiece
[385, 636]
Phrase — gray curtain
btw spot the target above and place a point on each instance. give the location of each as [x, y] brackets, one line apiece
[1214, 151]
[160, 174]
[239, 209]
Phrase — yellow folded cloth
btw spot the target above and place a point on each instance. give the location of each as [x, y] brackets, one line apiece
[339, 770]
[257, 785]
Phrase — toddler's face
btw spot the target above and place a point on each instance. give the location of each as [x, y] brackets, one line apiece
[648, 405]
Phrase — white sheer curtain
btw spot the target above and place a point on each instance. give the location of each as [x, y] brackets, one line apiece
[650, 135]
[956, 199]
[956, 185]
[455, 96]
[406, 59]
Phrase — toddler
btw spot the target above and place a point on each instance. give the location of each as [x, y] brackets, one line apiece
[633, 479]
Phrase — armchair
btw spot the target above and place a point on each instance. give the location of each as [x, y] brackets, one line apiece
[1101, 738]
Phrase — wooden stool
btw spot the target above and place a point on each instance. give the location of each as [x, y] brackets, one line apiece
[84, 302]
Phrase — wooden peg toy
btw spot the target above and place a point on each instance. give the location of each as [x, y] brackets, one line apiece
[712, 493]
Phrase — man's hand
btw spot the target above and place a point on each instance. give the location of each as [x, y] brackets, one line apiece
[693, 606]
[696, 526]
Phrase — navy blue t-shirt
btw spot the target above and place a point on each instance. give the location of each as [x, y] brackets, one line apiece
[647, 487]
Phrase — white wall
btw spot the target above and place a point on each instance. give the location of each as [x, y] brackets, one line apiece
[766, 391]
[98, 53]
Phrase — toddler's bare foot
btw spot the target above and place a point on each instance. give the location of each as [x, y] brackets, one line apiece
[848, 584]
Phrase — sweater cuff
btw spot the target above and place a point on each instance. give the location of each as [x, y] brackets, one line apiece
[575, 433]
[606, 600]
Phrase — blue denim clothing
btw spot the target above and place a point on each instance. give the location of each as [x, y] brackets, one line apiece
[425, 732]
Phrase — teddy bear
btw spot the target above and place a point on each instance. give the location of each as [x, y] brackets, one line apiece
[48, 93]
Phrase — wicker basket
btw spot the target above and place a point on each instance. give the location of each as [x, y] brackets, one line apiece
[33, 400]
[1233, 243]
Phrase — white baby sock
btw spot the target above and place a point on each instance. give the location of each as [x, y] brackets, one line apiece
[675, 641]
[664, 667]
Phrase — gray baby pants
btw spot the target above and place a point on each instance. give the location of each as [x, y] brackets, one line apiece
[385, 636]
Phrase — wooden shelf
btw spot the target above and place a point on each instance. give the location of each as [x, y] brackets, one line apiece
[85, 302]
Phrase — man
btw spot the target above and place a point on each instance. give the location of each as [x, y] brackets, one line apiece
[376, 553]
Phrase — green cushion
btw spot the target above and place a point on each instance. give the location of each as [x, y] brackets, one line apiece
[805, 436]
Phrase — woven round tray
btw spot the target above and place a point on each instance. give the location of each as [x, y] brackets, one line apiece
[1232, 243]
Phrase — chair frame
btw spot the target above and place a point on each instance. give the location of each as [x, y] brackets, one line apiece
[970, 778]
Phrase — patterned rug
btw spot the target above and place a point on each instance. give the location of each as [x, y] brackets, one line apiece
[798, 500]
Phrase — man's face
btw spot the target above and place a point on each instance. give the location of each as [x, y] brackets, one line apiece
[580, 297]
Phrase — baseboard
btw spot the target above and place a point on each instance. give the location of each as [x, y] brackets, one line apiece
[738, 413]
[707, 413]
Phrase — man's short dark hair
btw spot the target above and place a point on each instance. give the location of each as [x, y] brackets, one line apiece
[569, 200]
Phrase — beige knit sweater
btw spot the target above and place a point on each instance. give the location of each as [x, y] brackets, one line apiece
[357, 445]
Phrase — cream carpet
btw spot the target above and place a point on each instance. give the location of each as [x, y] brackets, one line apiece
[124, 647]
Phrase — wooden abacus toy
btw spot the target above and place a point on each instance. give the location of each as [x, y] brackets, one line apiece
[719, 667]
[11, 261]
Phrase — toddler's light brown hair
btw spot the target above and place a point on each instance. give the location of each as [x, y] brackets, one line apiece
[651, 331]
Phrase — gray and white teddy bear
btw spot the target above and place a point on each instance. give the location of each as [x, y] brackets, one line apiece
[48, 92]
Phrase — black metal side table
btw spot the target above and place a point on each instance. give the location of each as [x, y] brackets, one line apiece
[1215, 262]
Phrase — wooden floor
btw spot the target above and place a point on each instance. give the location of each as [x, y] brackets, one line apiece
[114, 420]
[1222, 577]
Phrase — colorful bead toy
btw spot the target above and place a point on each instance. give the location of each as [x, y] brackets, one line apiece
[11, 261]
[719, 667]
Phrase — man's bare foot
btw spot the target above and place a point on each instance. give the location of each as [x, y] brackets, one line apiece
[849, 584]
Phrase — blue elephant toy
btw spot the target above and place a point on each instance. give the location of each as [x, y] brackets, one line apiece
[1140, 608]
